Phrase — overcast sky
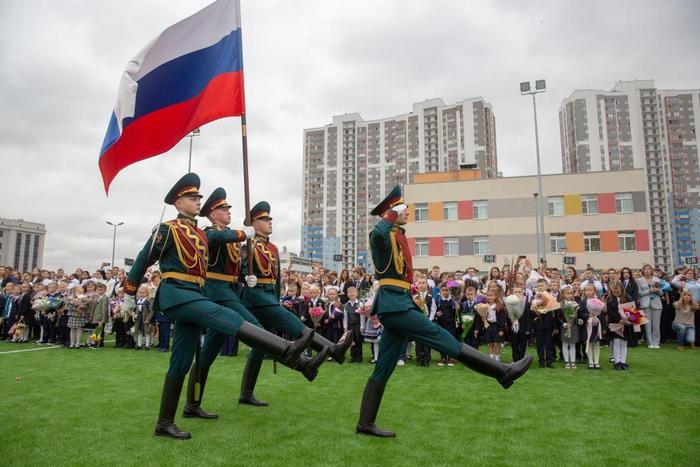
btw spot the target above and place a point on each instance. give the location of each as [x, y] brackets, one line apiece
[304, 61]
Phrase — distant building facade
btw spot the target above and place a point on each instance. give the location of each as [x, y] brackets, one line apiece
[458, 220]
[21, 244]
[351, 163]
[637, 126]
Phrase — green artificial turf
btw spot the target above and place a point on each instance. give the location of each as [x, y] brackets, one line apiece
[82, 407]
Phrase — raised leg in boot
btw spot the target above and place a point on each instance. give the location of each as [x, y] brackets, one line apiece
[335, 351]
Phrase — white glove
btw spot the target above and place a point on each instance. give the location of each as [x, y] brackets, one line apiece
[249, 232]
[399, 208]
[251, 281]
[516, 326]
[129, 304]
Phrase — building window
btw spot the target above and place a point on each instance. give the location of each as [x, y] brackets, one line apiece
[481, 246]
[449, 210]
[557, 243]
[623, 203]
[589, 204]
[421, 212]
[421, 247]
[481, 210]
[451, 246]
[591, 241]
[556, 205]
[626, 241]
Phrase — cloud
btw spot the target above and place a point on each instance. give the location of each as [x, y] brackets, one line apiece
[304, 62]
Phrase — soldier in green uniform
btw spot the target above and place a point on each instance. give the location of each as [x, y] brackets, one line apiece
[262, 297]
[222, 279]
[181, 249]
[402, 320]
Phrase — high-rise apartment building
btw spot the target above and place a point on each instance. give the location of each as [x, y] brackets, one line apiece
[21, 244]
[352, 163]
[636, 125]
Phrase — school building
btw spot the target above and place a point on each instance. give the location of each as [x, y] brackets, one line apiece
[458, 219]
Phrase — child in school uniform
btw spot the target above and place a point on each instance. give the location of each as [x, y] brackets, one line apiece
[544, 323]
[446, 316]
[427, 305]
[616, 298]
[568, 329]
[142, 318]
[334, 310]
[497, 326]
[354, 320]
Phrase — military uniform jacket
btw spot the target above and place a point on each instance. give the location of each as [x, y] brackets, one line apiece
[180, 247]
[266, 267]
[392, 260]
[224, 266]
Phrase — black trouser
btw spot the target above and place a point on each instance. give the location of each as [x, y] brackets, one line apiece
[356, 349]
[163, 334]
[452, 329]
[422, 354]
[518, 340]
[59, 333]
[545, 345]
[119, 332]
[45, 324]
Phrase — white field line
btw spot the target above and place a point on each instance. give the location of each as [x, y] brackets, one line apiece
[46, 347]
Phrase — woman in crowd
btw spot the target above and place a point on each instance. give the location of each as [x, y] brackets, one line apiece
[650, 301]
[684, 324]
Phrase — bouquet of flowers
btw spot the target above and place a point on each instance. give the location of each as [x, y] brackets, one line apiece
[633, 315]
[516, 307]
[544, 302]
[316, 313]
[570, 310]
[483, 310]
[80, 302]
[456, 289]
[96, 335]
[47, 303]
[595, 306]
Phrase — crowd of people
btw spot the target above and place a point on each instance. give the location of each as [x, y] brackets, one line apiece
[567, 315]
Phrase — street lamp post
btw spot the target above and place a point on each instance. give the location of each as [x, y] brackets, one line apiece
[191, 136]
[525, 88]
[114, 237]
[537, 226]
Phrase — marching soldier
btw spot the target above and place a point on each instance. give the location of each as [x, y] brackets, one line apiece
[181, 249]
[222, 278]
[262, 297]
[403, 320]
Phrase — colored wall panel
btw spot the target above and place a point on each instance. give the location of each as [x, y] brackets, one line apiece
[572, 206]
[574, 242]
[412, 246]
[641, 238]
[606, 203]
[435, 211]
[466, 246]
[608, 238]
[436, 246]
[465, 210]
[512, 207]
[639, 201]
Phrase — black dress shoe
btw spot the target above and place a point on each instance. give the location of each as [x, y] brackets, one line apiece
[195, 411]
[251, 400]
[374, 431]
[170, 430]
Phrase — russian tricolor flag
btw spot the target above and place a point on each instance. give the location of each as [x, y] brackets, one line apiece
[191, 74]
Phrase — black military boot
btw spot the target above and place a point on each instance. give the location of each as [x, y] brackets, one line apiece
[284, 351]
[250, 377]
[193, 406]
[309, 366]
[506, 374]
[336, 351]
[168, 406]
[369, 408]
